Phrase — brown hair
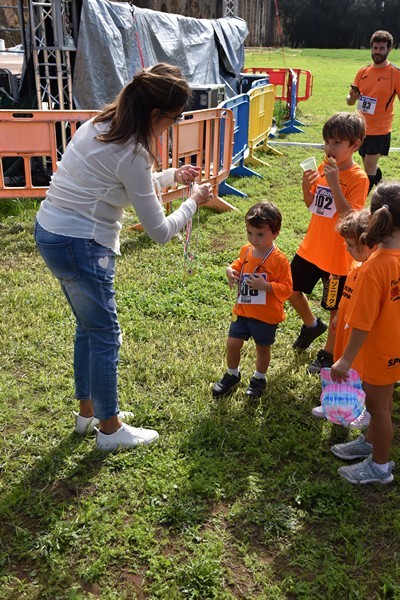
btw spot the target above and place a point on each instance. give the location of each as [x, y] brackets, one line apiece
[264, 213]
[382, 36]
[354, 224]
[161, 86]
[345, 126]
[385, 213]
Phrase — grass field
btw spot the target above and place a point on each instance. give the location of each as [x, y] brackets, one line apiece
[238, 499]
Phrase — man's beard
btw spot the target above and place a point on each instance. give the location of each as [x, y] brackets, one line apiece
[379, 58]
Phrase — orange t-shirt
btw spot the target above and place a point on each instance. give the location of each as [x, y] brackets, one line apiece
[322, 245]
[342, 327]
[378, 88]
[375, 307]
[276, 270]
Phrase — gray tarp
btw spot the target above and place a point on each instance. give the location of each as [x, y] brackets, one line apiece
[112, 38]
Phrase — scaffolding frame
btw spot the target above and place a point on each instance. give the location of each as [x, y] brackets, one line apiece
[52, 27]
[230, 8]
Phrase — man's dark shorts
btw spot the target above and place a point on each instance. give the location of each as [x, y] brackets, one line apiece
[375, 144]
[244, 328]
[306, 276]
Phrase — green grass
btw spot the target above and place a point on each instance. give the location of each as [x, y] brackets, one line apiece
[238, 499]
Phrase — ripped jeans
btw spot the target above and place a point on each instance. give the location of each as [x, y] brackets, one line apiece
[86, 271]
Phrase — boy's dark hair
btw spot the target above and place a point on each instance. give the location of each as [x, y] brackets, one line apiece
[345, 126]
[264, 213]
[382, 36]
[385, 213]
[354, 224]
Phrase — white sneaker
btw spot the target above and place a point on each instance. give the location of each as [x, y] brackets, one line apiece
[362, 421]
[318, 412]
[125, 437]
[85, 425]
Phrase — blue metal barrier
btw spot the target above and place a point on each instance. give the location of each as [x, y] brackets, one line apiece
[260, 82]
[291, 125]
[239, 105]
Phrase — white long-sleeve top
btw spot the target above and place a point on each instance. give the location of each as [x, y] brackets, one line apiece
[96, 180]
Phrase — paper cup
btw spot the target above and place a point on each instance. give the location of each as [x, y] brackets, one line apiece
[309, 164]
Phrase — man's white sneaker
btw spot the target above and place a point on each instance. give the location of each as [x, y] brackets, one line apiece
[125, 437]
[85, 425]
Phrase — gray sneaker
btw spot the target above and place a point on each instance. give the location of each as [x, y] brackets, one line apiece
[357, 448]
[365, 472]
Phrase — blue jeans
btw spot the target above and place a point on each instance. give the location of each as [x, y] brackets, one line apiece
[86, 271]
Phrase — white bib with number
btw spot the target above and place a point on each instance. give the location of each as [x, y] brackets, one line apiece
[323, 203]
[366, 104]
[251, 296]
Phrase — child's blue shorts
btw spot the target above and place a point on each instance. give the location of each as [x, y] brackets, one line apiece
[244, 328]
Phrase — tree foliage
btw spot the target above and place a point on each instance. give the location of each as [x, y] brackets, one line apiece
[338, 23]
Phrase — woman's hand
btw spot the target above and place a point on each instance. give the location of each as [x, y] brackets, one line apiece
[187, 174]
[201, 194]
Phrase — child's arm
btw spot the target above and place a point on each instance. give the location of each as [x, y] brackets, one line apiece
[340, 368]
[309, 178]
[332, 177]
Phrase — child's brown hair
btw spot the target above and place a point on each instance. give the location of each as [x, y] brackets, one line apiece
[264, 213]
[344, 126]
[354, 224]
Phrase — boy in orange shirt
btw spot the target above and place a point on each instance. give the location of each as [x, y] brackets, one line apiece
[263, 280]
[338, 186]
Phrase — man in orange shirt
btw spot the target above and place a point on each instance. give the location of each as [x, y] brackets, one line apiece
[375, 88]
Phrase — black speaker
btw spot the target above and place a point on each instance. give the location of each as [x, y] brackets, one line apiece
[206, 96]
[246, 79]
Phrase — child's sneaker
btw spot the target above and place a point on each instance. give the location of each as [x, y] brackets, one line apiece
[256, 387]
[323, 360]
[365, 472]
[318, 412]
[362, 421]
[125, 437]
[85, 425]
[357, 448]
[225, 385]
[309, 334]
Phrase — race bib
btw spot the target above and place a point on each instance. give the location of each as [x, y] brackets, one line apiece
[251, 296]
[323, 203]
[366, 105]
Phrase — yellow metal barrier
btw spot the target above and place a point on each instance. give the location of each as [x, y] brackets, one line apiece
[262, 100]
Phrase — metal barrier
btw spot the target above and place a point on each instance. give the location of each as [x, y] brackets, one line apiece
[262, 101]
[290, 126]
[43, 135]
[198, 140]
[239, 105]
[29, 137]
[280, 79]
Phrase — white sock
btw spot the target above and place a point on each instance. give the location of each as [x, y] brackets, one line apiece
[381, 468]
[233, 372]
[259, 375]
[313, 325]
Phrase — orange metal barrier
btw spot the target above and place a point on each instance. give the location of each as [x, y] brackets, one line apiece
[197, 140]
[34, 135]
[262, 101]
[30, 135]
